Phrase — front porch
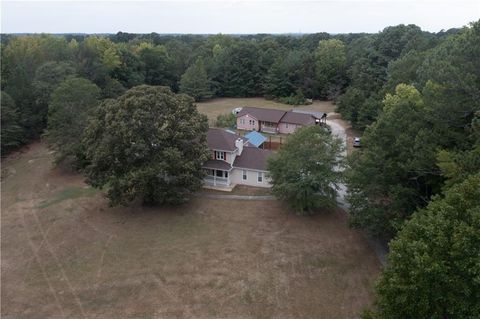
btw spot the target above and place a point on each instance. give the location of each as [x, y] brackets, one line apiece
[268, 127]
[217, 179]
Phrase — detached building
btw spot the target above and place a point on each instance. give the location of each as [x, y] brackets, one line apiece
[275, 121]
[234, 161]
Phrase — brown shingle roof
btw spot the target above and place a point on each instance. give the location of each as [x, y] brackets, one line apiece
[219, 139]
[252, 158]
[217, 164]
[298, 118]
[261, 114]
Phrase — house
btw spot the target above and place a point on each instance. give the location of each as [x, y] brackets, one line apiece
[234, 161]
[291, 121]
[259, 119]
[275, 121]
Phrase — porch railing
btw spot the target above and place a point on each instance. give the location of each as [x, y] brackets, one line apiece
[216, 181]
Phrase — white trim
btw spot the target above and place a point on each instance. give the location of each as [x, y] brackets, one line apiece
[220, 155]
[260, 175]
[251, 169]
[244, 175]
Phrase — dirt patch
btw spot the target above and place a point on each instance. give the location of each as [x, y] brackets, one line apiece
[215, 107]
[78, 258]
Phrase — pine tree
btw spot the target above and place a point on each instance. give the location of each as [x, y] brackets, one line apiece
[195, 82]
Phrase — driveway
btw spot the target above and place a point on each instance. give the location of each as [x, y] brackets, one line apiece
[381, 248]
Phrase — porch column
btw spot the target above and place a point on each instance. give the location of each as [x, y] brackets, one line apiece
[214, 177]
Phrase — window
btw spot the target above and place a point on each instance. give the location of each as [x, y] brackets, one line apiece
[242, 121]
[220, 155]
[286, 125]
[244, 175]
[219, 173]
[260, 177]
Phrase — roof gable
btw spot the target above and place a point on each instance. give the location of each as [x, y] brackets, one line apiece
[262, 114]
[219, 139]
[298, 118]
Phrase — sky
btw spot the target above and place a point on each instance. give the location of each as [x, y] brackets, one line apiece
[212, 17]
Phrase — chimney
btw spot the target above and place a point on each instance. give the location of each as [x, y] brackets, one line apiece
[239, 145]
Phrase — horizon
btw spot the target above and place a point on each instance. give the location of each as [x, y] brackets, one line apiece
[232, 17]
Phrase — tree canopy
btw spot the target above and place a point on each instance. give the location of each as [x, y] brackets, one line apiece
[195, 82]
[12, 134]
[434, 263]
[148, 144]
[356, 70]
[306, 170]
[72, 102]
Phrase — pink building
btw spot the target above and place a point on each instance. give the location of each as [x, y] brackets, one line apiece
[274, 121]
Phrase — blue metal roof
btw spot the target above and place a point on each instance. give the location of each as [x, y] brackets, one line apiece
[255, 138]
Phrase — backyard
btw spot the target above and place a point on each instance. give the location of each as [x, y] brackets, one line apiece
[215, 107]
[67, 254]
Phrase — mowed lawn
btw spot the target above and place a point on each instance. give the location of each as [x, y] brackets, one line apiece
[67, 254]
[215, 107]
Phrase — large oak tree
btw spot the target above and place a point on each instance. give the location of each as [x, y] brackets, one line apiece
[147, 144]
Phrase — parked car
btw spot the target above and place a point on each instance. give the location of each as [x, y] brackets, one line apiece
[356, 142]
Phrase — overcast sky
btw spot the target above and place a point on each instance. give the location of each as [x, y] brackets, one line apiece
[233, 16]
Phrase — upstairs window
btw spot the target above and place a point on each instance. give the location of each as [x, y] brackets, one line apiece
[244, 175]
[220, 155]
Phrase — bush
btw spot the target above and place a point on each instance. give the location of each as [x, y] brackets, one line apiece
[297, 99]
[226, 120]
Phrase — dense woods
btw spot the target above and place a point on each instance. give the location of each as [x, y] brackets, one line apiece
[357, 70]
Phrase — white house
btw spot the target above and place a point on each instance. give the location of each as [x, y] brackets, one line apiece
[234, 162]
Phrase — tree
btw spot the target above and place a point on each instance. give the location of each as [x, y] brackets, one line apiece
[12, 135]
[72, 102]
[330, 63]
[159, 68]
[306, 170]
[396, 169]
[195, 82]
[47, 78]
[147, 144]
[290, 75]
[97, 58]
[236, 69]
[434, 263]
[226, 120]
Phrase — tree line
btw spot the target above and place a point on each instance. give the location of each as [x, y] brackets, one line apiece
[355, 69]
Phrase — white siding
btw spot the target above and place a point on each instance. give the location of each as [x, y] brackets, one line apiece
[236, 177]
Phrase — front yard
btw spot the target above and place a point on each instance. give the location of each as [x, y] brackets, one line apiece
[67, 254]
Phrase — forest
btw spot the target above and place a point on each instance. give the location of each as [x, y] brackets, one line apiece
[414, 94]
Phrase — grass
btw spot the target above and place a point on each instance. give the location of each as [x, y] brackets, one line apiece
[66, 253]
[69, 193]
[218, 106]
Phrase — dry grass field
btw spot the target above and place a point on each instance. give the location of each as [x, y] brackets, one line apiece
[67, 254]
[218, 106]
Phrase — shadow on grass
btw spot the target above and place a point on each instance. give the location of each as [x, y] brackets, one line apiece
[69, 193]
